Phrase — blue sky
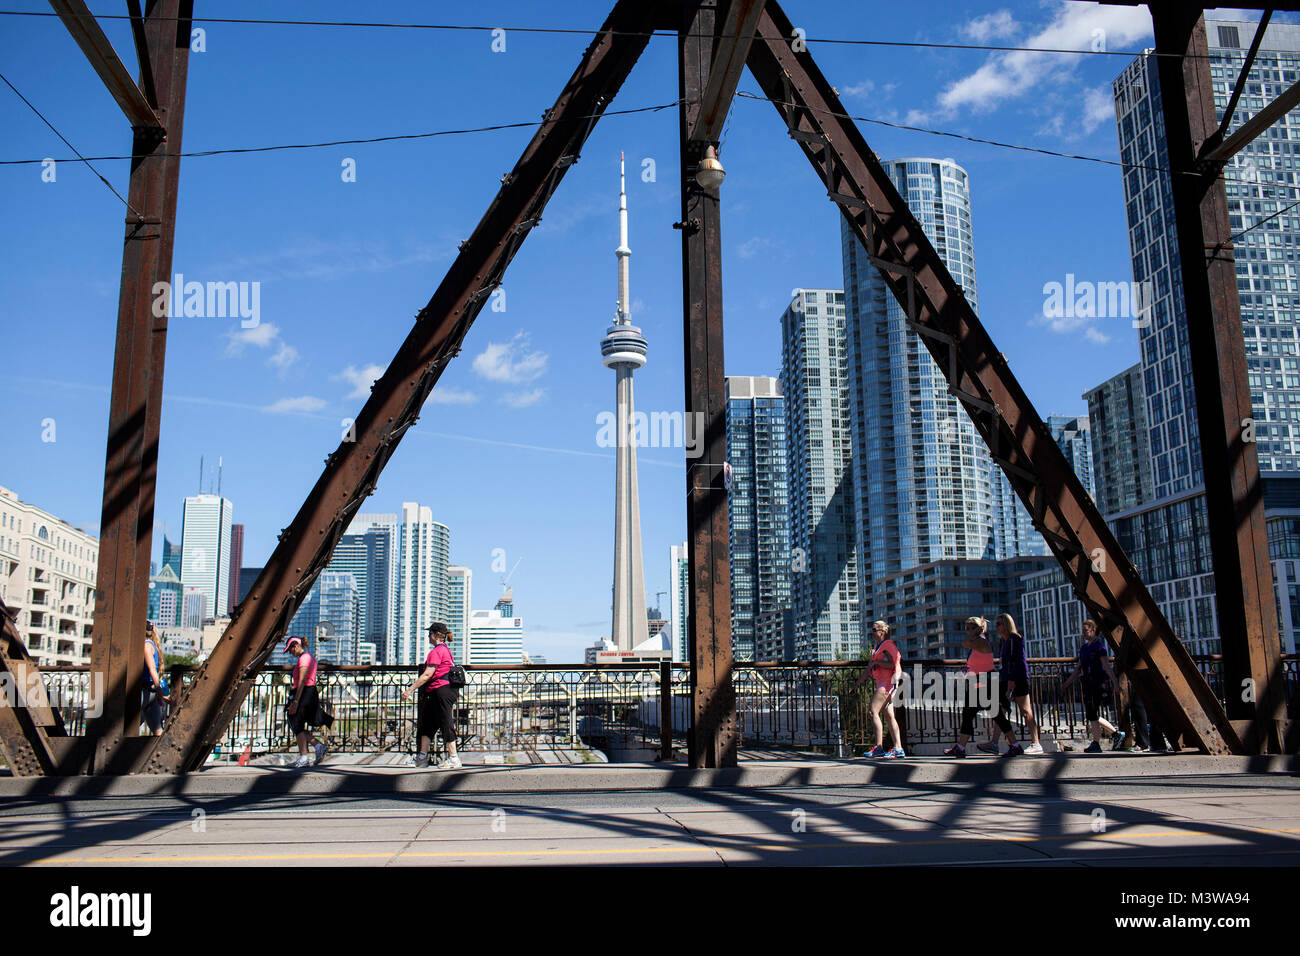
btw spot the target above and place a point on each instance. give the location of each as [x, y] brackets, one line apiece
[506, 452]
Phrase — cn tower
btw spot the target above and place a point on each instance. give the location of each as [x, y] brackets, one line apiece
[624, 349]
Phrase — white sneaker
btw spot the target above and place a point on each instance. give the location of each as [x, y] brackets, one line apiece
[321, 751]
[302, 761]
[451, 763]
[1034, 749]
[421, 760]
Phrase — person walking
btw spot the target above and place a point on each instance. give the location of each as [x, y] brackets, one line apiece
[1013, 679]
[155, 688]
[886, 667]
[978, 693]
[1093, 672]
[437, 700]
[303, 702]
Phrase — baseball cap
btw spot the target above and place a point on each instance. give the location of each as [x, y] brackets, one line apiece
[290, 642]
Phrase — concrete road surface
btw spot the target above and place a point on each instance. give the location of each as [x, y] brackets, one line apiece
[1238, 819]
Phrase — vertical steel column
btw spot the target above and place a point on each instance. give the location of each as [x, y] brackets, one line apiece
[1234, 499]
[130, 474]
[713, 737]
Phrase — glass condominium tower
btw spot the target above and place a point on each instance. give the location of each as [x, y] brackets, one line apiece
[925, 487]
[1267, 257]
[814, 381]
[757, 506]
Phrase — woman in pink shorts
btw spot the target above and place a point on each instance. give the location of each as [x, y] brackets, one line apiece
[887, 669]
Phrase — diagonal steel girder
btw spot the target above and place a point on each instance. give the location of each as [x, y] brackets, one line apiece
[212, 699]
[979, 377]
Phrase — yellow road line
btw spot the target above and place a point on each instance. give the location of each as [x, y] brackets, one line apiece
[699, 848]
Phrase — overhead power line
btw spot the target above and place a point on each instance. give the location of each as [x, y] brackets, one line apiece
[69, 145]
[590, 31]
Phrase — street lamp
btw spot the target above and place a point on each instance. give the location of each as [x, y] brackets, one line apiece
[710, 173]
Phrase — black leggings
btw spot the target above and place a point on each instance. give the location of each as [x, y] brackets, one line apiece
[436, 713]
[977, 698]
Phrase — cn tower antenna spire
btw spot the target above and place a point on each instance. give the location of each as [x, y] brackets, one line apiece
[623, 252]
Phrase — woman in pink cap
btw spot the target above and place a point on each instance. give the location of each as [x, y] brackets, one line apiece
[886, 667]
[302, 702]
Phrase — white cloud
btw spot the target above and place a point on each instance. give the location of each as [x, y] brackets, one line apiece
[360, 379]
[284, 356]
[523, 399]
[992, 26]
[1076, 26]
[259, 336]
[450, 395]
[858, 89]
[264, 335]
[303, 403]
[1094, 335]
[1098, 108]
[510, 361]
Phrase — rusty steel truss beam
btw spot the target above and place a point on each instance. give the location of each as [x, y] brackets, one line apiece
[712, 738]
[213, 698]
[27, 722]
[981, 380]
[86, 31]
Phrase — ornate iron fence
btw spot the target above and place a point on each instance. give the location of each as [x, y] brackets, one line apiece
[815, 706]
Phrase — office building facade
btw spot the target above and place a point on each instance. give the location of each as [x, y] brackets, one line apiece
[496, 638]
[679, 583]
[205, 550]
[460, 581]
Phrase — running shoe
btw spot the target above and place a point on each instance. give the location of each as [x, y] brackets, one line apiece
[321, 751]
[1137, 749]
[956, 750]
[1093, 748]
[895, 754]
[989, 747]
[1034, 749]
[1015, 750]
[1117, 739]
[451, 763]
[301, 762]
[421, 760]
[876, 752]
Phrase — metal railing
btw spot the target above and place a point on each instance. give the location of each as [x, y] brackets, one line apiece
[801, 706]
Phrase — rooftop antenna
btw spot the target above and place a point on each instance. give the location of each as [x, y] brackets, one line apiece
[219, 459]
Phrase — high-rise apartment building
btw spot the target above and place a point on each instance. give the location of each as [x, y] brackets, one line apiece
[425, 547]
[1260, 181]
[1121, 457]
[757, 506]
[1073, 436]
[460, 582]
[368, 550]
[679, 583]
[47, 576]
[924, 487]
[205, 551]
[823, 569]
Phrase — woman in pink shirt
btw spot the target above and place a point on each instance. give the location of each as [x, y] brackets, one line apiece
[886, 667]
[302, 705]
[437, 700]
[979, 692]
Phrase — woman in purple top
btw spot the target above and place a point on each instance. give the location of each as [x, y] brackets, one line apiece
[1013, 677]
[437, 700]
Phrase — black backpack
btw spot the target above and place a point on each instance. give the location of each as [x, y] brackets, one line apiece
[456, 676]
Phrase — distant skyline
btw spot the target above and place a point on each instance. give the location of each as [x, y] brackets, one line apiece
[506, 452]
